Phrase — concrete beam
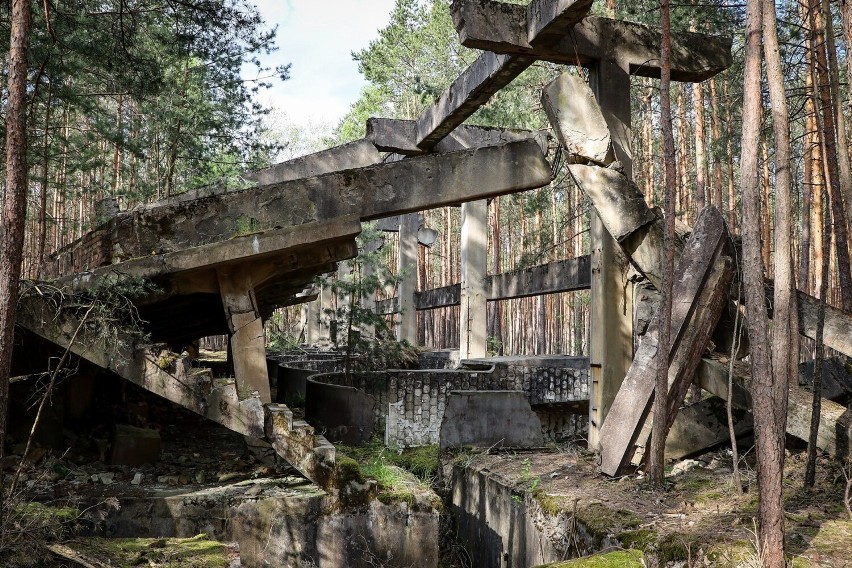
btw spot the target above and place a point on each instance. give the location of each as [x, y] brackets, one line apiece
[357, 154]
[500, 28]
[382, 190]
[545, 21]
[559, 276]
[835, 427]
[472, 89]
[400, 136]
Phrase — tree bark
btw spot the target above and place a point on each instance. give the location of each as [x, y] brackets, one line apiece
[14, 200]
[770, 390]
[830, 140]
[656, 456]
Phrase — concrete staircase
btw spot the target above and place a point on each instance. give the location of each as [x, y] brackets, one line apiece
[156, 369]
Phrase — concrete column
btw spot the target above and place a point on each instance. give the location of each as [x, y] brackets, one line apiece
[611, 322]
[406, 327]
[474, 264]
[247, 339]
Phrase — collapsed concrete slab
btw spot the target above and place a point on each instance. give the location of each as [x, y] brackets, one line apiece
[699, 294]
[835, 427]
[369, 193]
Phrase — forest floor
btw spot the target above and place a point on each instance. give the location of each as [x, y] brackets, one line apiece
[698, 520]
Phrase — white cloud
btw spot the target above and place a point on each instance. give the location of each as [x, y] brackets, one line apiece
[318, 37]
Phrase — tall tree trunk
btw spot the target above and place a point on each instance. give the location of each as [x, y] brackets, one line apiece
[701, 196]
[771, 536]
[656, 457]
[14, 204]
[844, 170]
[45, 179]
[770, 413]
[733, 220]
[828, 127]
[715, 132]
[765, 216]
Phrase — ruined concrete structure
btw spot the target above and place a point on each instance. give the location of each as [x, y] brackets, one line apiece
[223, 259]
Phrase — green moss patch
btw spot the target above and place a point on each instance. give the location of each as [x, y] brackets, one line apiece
[615, 559]
[195, 552]
[601, 521]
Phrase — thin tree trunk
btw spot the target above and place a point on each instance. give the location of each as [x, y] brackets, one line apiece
[45, 178]
[770, 413]
[656, 458]
[819, 356]
[14, 210]
[715, 132]
[733, 220]
[701, 196]
[839, 220]
[765, 216]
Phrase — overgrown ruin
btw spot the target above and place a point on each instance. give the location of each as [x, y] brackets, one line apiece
[219, 261]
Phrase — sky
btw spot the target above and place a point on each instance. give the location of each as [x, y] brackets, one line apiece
[317, 37]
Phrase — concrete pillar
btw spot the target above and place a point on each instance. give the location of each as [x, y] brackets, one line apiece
[247, 340]
[474, 264]
[406, 327]
[611, 322]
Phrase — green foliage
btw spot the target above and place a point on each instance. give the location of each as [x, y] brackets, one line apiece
[28, 526]
[401, 474]
[365, 335]
[110, 319]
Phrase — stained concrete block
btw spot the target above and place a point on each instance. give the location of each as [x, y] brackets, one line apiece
[489, 418]
[570, 103]
[135, 446]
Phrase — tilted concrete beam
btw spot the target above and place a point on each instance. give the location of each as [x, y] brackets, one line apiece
[501, 28]
[357, 154]
[400, 136]
[544, 21]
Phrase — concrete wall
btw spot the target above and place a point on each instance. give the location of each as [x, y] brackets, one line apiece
[410, 405]
[282, 525]
[501, 527]
[292, 378]
[485, 419]
[342, 414]
[498, 531]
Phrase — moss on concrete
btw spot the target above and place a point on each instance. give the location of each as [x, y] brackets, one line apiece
[615, 559]
[601, 521]
[347, 470]
[195, 552]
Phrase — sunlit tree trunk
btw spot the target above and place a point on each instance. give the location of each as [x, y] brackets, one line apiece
[770, 389]
[656, 458]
